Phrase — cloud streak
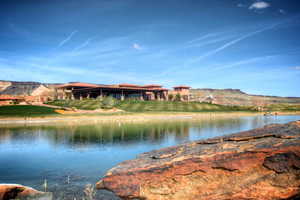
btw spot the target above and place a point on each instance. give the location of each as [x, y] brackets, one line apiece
[209, 42]
[209, 35]
[259, 5]
[136, 46]
[87, 42]
[63, 42]
[243, 62]
[232, 42]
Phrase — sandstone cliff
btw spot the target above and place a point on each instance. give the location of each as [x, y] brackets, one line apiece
[259, 164]
[237, 97]
[15, 88]
[4, 85]
[16, 191]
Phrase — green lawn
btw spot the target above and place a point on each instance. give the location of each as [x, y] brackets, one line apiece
[86, 104]
[149, 106]
[25, 111]
[166, 106]
[132, 106]
[283, 107]
[174, 106]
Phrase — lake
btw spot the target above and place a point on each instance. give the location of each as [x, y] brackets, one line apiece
[69, 156]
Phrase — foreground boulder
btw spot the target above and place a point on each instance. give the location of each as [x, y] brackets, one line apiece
[16, 191]
[261, 164]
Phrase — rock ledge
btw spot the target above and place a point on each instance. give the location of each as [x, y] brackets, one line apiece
[261, 164]
[16, 191]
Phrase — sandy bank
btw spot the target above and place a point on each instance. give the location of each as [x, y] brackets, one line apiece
[127, 117]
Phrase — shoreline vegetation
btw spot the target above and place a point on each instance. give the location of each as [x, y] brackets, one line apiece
[110, 110]
[167, 106]
[126, 118]
[146, 106]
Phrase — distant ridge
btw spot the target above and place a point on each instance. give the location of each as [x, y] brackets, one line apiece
[238, 97]
[227, 96]
[17, 88]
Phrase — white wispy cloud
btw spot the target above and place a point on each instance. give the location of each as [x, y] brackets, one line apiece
[210, 41]
[40, 69]
[67, 39]
[231, 43]
[83, 44]
[297, 68]
[242, 62]
[259, 5]
[137, 46]
[209, 35]
[94, 58]
[282, 11]
[241, 5]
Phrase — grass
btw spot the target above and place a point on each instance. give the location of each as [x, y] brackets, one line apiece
[86, 104]
[283, 107]
[168, 106]
[133, 106]
[175, 106]
[25, 111]
[150, 106]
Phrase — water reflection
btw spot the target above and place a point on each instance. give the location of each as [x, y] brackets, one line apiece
[111, 133]
[30, 154]
[102, 134]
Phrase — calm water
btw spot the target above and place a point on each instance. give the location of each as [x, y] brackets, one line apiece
[69, 156]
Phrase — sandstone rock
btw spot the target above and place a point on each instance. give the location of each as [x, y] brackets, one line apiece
[261, 164]
[16, 191]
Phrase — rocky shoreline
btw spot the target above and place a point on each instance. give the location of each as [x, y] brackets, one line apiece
[261, 164]
[16, 191]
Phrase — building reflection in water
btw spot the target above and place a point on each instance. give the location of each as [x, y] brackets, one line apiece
[31, 153]
[128, 133]
[81, 135]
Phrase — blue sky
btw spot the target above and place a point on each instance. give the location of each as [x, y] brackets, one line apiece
[245, 44]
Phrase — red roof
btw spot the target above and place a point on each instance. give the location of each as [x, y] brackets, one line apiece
[152, 86]
[121, 86]
[182, 86]
[158, 89]
[78, 84]
[129, 85]
[8, 97]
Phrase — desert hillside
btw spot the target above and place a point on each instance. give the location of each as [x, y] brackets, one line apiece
[216, 96]
[17, 88]
[237, 97]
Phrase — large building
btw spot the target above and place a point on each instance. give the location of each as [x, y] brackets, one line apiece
[77, 90]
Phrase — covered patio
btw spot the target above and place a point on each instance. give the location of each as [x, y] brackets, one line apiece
[120, 91]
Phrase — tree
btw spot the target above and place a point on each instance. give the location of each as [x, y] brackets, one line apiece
[108, 102]
[170, 97]
[177, 97]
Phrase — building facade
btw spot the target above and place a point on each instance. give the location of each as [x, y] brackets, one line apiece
[182, 91]
[77, 90]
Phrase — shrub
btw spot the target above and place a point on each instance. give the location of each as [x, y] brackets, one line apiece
[170, 97]
[177, 97]
[108, 102]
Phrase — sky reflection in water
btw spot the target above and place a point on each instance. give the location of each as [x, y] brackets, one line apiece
[30, 154]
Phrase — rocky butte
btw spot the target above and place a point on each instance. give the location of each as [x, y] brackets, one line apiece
[16, 191]
[259, 164]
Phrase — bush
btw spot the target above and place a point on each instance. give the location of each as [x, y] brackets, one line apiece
[170, 97]
[177, 97]
[108, 102]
